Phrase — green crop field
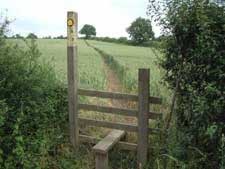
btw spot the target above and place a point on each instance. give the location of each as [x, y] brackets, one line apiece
[90, 64]
[130, 58]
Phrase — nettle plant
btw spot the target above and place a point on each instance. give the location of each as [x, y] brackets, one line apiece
[195, 68]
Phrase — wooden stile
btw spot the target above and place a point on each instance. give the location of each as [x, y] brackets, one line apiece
[72, 77]
[142, 114]
[143, 106]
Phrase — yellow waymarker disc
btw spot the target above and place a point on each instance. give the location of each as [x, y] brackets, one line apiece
[70, 22]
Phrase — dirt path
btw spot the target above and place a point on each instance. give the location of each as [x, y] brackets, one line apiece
[113, 84]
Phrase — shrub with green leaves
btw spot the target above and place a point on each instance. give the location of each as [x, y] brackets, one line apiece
[195, 58]
[33, 115]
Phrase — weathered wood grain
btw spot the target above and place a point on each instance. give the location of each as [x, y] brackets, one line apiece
[119, 111]
[111, 110]
[107, 124]
[109, 141]
[143, 107]
[120, 145]
[101, 161]
[113, 125]
[72, 78]
[115, 95]
[104, 94]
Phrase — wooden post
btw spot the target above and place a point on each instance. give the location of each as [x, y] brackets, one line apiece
[101, 161]
[143, 109]
[72, 22]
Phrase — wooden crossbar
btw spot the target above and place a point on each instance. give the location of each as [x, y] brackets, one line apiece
[109, 141]
[104, 94]
[119, 111]
[99, 123]
[113, 95]
[121, 144]
[112, 110]
[119, 126]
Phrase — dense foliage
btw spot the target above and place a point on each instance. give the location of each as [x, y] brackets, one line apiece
[31, 36]
[123, 40]
[88, 31]
[18, 36]
[33, 115]
[140, 30]
[195, 64]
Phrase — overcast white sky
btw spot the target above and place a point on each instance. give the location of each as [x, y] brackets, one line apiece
[48, 17]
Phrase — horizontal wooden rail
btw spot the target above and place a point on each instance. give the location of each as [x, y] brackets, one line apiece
[119, 111]
[112, 110]
[98, 123]
[103, 94]
[113, 95]
[121, 144]
[119, 126]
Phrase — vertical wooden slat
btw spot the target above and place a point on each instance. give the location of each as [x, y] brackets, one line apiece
[72, 23]
[101, 161]
[143, 108]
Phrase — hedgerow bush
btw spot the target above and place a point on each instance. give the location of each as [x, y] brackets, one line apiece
[33, 108]
[123, 40]
[195, 63]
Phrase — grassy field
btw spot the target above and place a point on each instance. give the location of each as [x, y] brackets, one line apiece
[90, 64]
[91, 69]
[131, 58]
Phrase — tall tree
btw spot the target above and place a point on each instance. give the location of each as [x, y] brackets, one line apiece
[18, 36]
[88, 31]
[140, 30]
[32, 36]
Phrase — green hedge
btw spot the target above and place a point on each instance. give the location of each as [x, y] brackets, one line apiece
[195, 58]
[33, 109]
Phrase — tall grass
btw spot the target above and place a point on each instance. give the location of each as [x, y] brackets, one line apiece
[126, 60]
[90, 64]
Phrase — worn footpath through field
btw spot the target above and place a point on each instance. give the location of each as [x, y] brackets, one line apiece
[113, 84]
